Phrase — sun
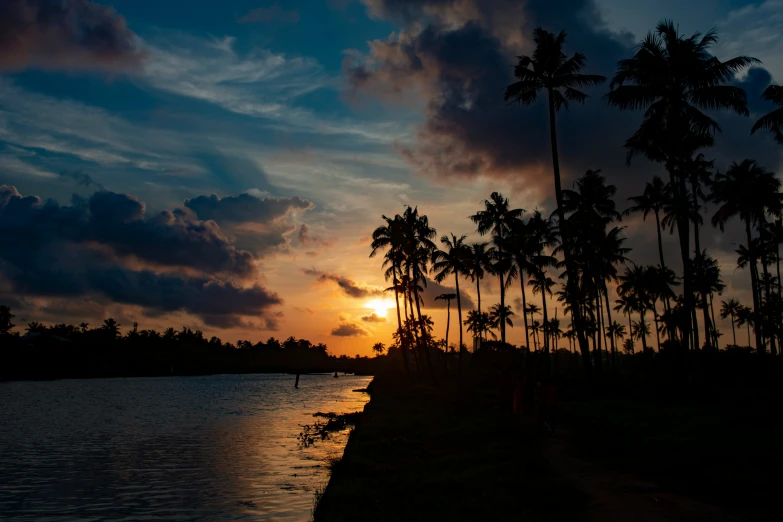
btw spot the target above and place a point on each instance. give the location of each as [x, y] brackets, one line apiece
[380, 306]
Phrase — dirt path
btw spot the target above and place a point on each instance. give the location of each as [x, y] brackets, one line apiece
[616, 497]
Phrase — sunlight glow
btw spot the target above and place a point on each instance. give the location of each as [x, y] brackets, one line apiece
[380, 306]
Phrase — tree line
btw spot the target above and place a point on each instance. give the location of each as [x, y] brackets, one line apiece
[576, 254]
[68, 350]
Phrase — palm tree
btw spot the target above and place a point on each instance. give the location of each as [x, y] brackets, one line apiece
[550, 70]
[451, 261]
[749, 191]
[745, 317]
[498, 314]
[674, 78]
[391, 237]
[616, 330]
[655, 197]
[448, 298]
[772, 121]
[379, 348]
[477, 264]
[497, 219]
[111, 328]
[641, 330]
[542, 284]
[729, 309]
[535, 327]
[84, 327]
[478, 323]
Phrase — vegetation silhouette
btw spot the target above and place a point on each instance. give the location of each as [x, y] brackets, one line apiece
[69, 351]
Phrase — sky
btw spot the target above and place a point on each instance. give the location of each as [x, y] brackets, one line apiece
[221, 165]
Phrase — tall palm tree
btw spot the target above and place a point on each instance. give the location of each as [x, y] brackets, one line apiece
[451, 261]
[391, 237]
[654, 198]
[641, 330]
[448, 298]
[772, 121]
[616, 330]
[749, 191]
[674, 78]
[729, 309]
[477, 264]
[497, 219]
[550, 70]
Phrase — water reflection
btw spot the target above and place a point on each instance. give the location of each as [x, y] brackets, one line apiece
[219, 447]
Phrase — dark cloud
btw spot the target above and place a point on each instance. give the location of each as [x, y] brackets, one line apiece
[65, 34]
[433, 290]
[458, 57]
[350, 330]
[373, 318]
[273, 13]
[90, 248]
[245, 208]
[80, 178]
[349, 288]
[308, 239]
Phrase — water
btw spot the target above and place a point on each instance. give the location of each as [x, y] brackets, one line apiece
[168, 448]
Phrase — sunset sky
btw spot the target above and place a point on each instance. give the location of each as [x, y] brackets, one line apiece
[221, 165]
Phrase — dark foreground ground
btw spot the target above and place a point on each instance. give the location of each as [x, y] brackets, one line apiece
[422, 452]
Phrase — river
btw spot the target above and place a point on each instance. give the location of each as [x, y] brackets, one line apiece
[219, 447]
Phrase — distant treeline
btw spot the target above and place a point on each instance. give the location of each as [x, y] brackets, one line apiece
[78, 351]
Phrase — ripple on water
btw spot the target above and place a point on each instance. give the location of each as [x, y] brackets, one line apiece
[168, 448]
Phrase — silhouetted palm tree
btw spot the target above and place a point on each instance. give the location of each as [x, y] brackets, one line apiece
[674, 78]
[477, 264]
[111, 327]
[498, 314]
[772, 121]
[541, 283]
[654, 198]
[448, 298]
[745, 318]
[749, 191]
[378, 348]
[451, 261]
[550, 70]
[479, 324]
[497, 219]
[729, 309]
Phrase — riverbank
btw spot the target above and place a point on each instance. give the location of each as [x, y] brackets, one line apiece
[422, 452]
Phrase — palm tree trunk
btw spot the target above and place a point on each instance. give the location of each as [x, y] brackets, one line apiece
[708, 330]
[478, 291]
[666, 304]
[657, 334]
[502, 307]
[599, 330]
[524, 306]
[772, 344]
[630, 329]
[733, 333]
[714, 323]
[448, 323]
[459, 313]
[760, 347]
[748, 325]
[644, 335]
[609, 314]
[543, 307]
[403, 348]
[572, 289]
[683, 231]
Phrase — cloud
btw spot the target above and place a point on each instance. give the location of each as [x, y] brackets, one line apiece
[457, 58]
[349, 330]
[245, 208]
[308, 239]
[433, 290]
[81, 178]
[347, 286]
[65, 35]
[273, 13]
[108, 247]
[755, 30]
[373, 318]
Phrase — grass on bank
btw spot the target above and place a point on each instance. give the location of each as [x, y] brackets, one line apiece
[437, 453]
